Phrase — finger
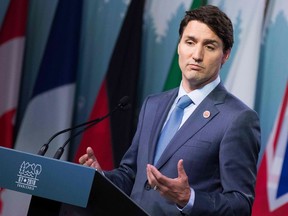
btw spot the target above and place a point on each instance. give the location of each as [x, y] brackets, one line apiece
[89, 162]
[90, 152]
[83, 159]
[151, 178]
[156, 178]
[95, 165]
[92, 160]
[181, 170]
[149, 173]
[154, 173]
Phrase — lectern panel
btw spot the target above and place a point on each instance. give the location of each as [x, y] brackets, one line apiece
[45, 177]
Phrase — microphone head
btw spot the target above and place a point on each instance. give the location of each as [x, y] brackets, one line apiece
[124, 103]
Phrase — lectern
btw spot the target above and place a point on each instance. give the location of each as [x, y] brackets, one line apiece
[63, 188]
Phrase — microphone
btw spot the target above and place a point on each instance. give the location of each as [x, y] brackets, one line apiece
[122, 105]
[60, 150]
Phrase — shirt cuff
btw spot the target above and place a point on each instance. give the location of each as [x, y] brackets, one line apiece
[188, 207]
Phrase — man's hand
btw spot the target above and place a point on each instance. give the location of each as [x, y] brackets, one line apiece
[177, 190]
[90, 160]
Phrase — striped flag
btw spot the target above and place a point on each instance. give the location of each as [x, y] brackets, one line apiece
[272, 181]
[100, 31]
[12, 41]
[111, 137]
[51, 104]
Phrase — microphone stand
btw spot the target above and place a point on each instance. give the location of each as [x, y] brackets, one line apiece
[60, 150]
[123, 105]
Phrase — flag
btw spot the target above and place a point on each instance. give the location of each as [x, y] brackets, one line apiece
[272, 76]
[12, 42]
[272, 180]
[100, 31]
[51, 105]
[271, 188]
[240, 72]
[160, 38]
[111, 137]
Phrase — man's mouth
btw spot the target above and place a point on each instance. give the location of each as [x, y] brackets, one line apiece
[195, 67]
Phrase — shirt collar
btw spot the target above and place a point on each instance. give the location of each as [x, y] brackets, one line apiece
[198, 95]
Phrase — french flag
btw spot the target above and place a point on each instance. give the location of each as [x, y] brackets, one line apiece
[272, 180]
[51, 105]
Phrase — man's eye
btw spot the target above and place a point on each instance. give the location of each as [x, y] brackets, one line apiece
[210, 48]
[189, 42]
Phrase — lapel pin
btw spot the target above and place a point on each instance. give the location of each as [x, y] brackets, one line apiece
[206, 114]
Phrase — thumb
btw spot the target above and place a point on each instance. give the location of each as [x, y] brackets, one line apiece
[180, 167]
[95, 164]
[90, 152]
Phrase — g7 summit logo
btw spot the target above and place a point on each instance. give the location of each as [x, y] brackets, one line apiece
[27, 176]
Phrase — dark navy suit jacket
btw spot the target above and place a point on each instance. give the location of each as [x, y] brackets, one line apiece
[220, 154]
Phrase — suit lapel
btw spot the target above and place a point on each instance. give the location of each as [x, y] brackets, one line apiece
[194, 123]
[162, 109]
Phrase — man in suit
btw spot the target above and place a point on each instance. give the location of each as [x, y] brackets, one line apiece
[209, 166]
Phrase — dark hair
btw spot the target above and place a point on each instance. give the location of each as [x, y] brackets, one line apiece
[215, 19]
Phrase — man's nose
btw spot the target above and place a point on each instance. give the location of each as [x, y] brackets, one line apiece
[197, 54]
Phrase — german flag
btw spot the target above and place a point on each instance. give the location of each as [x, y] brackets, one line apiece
[111, 138]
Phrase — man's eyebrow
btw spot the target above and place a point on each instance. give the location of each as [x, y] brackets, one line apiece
[189, 37]
[211, 41]
[206, 41]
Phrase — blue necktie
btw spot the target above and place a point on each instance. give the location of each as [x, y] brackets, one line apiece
[171, 126]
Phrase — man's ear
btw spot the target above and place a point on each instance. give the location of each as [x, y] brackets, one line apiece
[225, 56]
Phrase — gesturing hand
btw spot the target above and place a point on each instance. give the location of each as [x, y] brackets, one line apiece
[177, 190]
[89, 159]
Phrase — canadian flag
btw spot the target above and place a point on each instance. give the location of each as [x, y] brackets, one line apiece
[12, 40]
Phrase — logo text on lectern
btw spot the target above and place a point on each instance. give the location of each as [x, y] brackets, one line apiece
[27, 176]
